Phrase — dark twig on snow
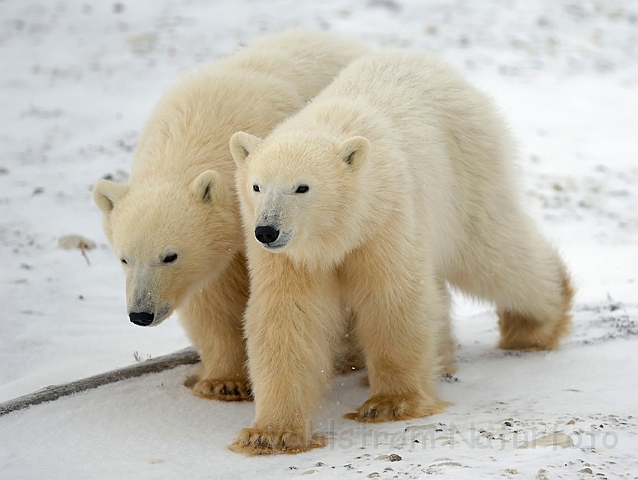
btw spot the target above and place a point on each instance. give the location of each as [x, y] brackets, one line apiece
[183, 357]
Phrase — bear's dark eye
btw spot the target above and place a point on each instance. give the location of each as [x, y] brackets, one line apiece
[255, 188]
[124, 261]
[302, 189]
[170, 258]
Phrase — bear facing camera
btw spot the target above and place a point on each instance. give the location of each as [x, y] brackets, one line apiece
[392, 183]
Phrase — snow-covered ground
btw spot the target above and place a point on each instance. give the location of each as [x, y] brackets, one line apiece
[78, 80]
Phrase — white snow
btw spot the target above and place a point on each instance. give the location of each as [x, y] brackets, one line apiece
[78, 80]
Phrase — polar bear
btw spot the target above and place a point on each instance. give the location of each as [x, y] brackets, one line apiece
[175, 225]
[393, 181]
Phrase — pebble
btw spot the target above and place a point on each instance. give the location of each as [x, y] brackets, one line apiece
[542, 474]
[553, 440]
[428, 426]
[393, 457]
[446, 464]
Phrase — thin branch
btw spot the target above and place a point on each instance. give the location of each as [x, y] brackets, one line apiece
[183, 357]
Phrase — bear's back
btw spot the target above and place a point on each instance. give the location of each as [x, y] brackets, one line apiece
[308, 60]
[253, 90]
[422, 110]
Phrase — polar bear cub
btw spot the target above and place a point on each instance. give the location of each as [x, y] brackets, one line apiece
[175, 225]
[393, 181]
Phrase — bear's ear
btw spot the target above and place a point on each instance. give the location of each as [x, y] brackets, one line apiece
[209, 187]
[355, 151]
[241, 144]
[106, 193]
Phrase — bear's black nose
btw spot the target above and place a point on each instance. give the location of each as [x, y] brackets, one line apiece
[266, 234]
[143, 319]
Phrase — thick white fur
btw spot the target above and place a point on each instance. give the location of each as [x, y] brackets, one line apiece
[409, 179]
[180, 198]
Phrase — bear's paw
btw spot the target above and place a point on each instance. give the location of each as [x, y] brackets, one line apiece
[389, 408]
[519, 332]
[258, 441]
[224, 390]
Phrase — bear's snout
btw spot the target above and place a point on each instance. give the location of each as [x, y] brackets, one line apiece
[143, 319]
[266, 234]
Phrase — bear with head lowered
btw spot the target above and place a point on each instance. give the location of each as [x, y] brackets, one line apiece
[393, 182]
[175, 225]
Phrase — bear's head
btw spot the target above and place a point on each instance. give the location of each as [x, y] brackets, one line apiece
[170, 239]
[298, 193]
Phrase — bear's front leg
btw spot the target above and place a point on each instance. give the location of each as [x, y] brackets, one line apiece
[212, 318]
[399, 309]
[293, 321]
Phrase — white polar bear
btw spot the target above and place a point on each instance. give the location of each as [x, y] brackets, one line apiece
[175, 225]
[393, 181]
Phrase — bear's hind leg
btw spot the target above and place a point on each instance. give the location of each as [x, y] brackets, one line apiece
[522, 332]
[509, 263]
[350, 357]
[445, 343]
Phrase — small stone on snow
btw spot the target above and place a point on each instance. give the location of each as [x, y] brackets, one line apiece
[428, 426]
[553, 440]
